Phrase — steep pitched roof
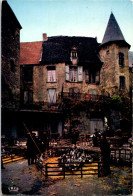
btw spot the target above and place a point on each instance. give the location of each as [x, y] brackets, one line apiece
[30, 52]
[57, 49]
[113, 32]
[7, 12]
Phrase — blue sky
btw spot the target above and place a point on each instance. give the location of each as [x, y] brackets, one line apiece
[72, 17]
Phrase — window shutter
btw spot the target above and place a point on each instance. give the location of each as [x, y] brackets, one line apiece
[87, 75]
[80, 73]
[51, 95]
[54, 75]
[67, 72]
[25, 97]
[97, 79]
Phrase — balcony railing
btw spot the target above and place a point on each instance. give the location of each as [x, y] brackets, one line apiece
[44, 106]
[82, 96]
[59, 102]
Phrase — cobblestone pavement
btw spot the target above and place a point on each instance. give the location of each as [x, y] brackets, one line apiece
[30, 181]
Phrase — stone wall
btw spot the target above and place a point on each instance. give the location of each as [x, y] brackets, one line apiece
[10, 36]
[111, 71]
[40, 84]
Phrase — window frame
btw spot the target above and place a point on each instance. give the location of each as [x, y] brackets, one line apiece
[92, 77]
[121, 59]
[12, 65]
[28, 77]
[29, 97]
[51, 70]
[122, 82]
[71, 71]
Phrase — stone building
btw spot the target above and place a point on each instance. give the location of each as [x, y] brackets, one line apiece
[114, 53]
[10, 34]
[10, 69]
[63, 78]
[62, 83]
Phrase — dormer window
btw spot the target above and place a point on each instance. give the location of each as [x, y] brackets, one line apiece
[74, 55]
[74, 52]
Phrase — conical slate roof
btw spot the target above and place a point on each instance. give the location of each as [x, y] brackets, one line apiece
[113, 31]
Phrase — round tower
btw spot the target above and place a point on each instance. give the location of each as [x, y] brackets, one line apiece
[114, 54]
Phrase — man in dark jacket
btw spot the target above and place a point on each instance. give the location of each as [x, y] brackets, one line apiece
[105, 154]
[31, 148]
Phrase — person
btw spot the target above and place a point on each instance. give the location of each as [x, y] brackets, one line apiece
[31, 148]
[105, 154]
[75, 135]
[44, 141]
[34, 148]
[95, 138]
[109, 132]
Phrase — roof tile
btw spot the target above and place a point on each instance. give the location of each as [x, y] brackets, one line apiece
[30, 52]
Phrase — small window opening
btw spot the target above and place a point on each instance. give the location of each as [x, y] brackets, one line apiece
[121, 59]
[122, 82]
[13, 66]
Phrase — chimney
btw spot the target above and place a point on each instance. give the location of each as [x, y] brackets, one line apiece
[44, 35]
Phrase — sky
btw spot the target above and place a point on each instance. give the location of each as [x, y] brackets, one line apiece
[87, 18]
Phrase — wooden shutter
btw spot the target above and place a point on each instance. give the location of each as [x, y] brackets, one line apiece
[87, 75]
[51, 95]
[97, 78]
[80, 73]
[25, 97]
[67, 72]
[28, 97]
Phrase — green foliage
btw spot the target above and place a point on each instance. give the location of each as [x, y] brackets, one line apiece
[117, 99]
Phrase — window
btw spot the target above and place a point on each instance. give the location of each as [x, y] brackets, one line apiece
[74, 54]
[74, 74]
[96, 123]
[107, 52]
[74, 92]
[121, 59]
[12, 65]
[122, 82]
[92, 77]
[51, 73]
[97, 77]
[28, 74]
[51, 95]
[28, 97]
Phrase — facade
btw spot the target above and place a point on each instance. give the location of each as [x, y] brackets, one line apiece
[65, 82]
[73, 72]
[10, 70]
[10, 34]
[114, 53]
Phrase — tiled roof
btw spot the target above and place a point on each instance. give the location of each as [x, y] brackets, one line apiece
[58, 49]
[113, 32]
[7, 12]
[30, 52]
